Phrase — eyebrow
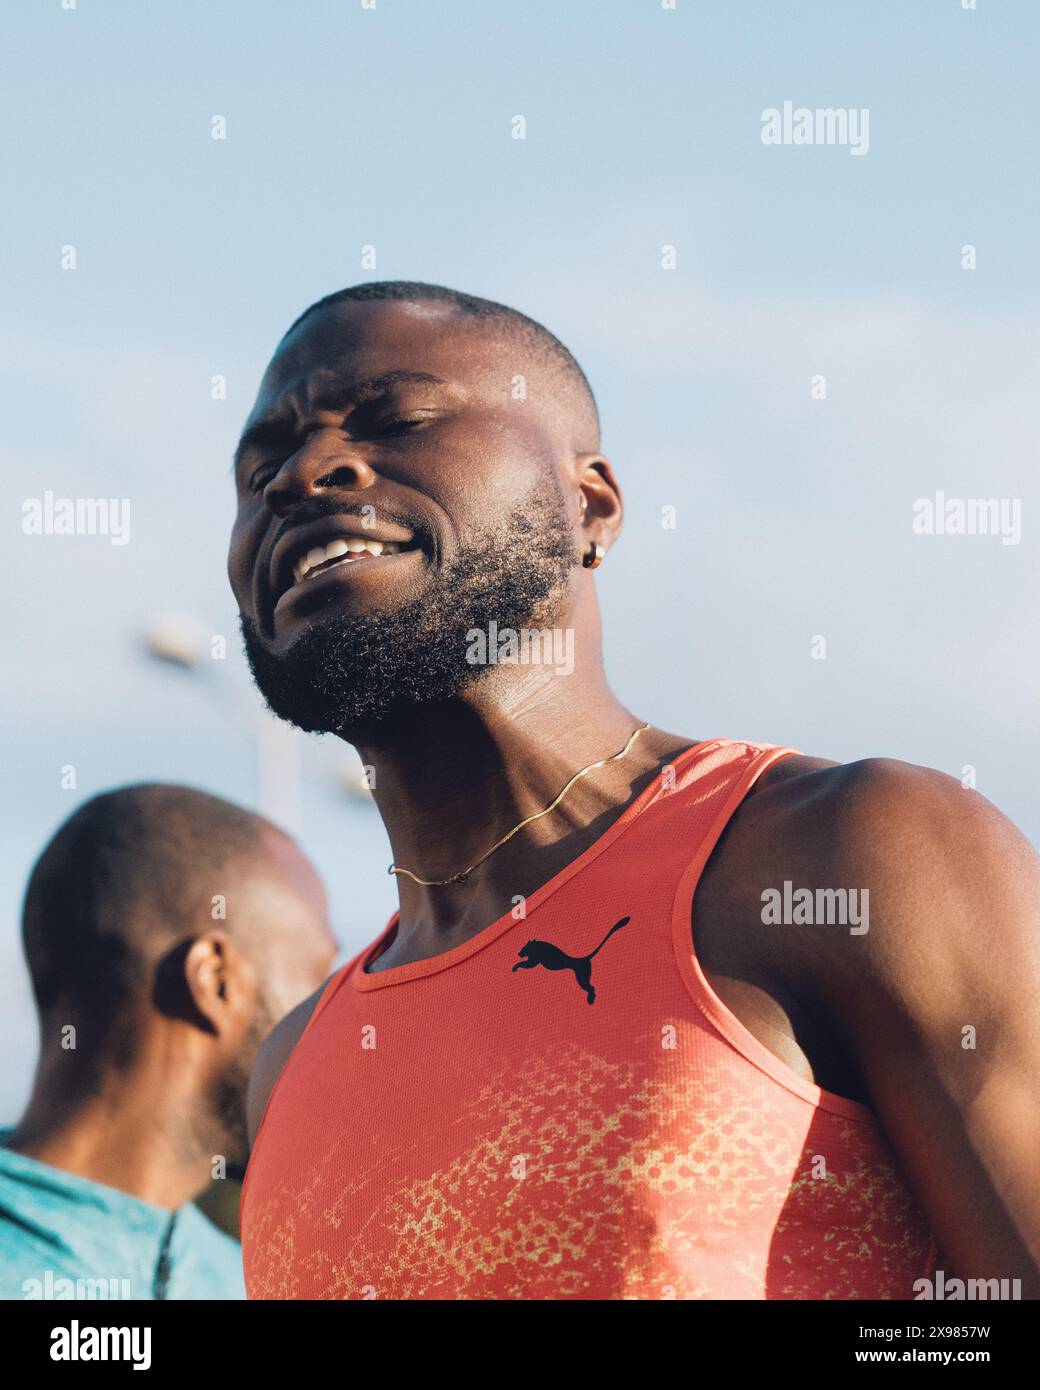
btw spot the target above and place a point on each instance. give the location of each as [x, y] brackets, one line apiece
[334, 396]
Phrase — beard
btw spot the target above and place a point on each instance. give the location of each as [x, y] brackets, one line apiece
[351, 675]
[223, 1122]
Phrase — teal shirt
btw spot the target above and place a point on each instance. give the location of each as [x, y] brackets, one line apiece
[62, 1237]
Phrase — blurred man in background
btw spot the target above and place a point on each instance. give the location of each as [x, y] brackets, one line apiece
[166, 932]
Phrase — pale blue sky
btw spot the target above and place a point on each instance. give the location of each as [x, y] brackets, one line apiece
[392, 128]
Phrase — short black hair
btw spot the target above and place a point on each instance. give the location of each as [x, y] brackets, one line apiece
[535, 335]
[123, 879]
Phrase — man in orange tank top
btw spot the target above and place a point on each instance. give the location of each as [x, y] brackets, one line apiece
[658, 1017]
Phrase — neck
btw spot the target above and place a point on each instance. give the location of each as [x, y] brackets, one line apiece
[131, 1131]
[450, 782]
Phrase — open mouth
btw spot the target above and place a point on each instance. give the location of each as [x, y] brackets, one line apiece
[305, 555]
[342, 551]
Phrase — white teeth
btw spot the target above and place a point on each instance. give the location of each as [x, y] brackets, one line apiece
[336, 549]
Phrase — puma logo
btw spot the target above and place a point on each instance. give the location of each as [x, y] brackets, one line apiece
[545, 953]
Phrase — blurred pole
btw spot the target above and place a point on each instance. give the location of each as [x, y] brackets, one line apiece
[179, 640]
[278, 790]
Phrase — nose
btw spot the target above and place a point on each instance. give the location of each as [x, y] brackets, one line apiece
[324, 463]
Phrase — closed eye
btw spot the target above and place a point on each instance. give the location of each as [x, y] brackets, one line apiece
[387, 427]
[400, 424]
[263, 476]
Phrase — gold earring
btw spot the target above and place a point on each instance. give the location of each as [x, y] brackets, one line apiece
[593, 557]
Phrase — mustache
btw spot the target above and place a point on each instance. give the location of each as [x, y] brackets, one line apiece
[317, 507]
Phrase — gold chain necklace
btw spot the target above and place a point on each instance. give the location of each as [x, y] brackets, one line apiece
[463, 877]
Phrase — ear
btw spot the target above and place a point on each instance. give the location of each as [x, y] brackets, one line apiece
[600, 504]
[220, 981]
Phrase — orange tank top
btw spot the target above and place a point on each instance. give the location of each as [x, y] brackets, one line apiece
[563, 1108]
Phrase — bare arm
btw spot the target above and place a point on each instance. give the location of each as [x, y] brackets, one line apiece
[940, 1004]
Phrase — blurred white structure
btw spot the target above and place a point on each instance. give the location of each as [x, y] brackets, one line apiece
[177, 638]
[182, 641]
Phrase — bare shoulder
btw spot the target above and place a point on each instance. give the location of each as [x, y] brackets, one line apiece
[946, 875]
[273, 1055]
[880, 811]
